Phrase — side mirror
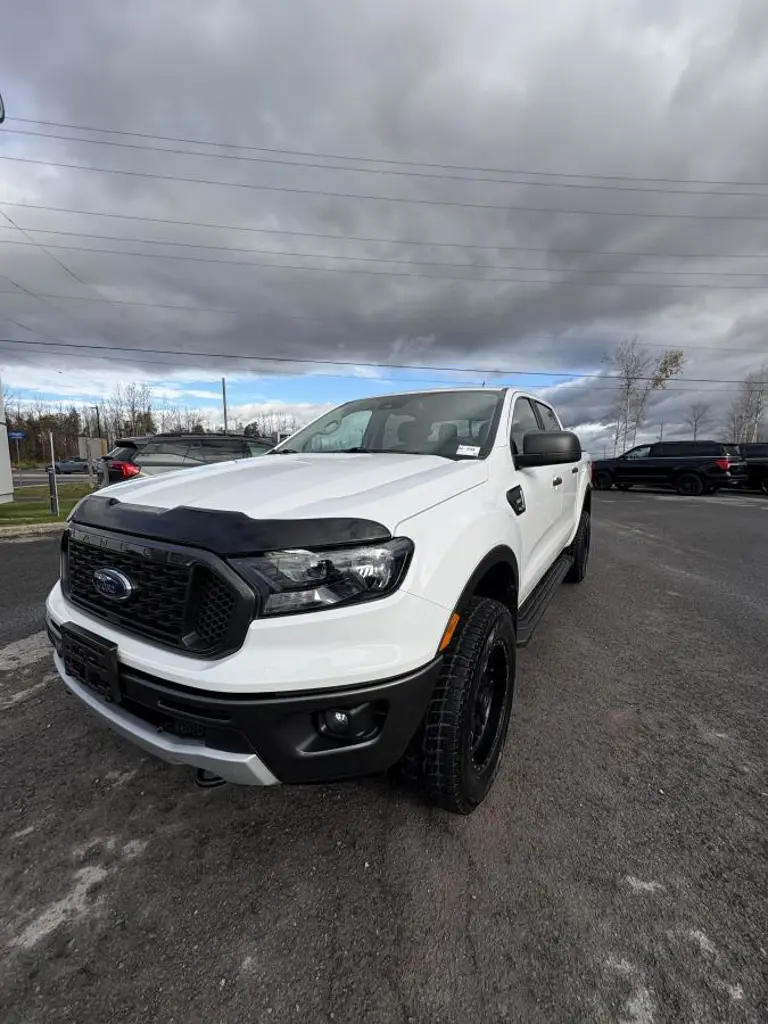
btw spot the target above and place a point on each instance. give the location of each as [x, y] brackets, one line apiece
[548, 448]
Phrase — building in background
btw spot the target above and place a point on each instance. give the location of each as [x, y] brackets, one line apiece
[91, 448]
[6, 478]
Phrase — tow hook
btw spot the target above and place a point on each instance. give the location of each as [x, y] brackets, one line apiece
[208, 780]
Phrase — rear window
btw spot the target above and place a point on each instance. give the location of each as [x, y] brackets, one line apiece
[122, 454]
[669, 449]
[756, 450]
[218, 449]
[163, 453]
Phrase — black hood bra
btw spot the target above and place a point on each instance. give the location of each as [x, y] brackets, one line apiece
[225, 533]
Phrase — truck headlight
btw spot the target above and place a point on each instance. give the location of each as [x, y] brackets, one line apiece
[305, 581]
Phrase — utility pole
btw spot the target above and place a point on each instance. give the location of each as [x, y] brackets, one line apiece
[53, 487]
[661, 431]
[224, 401]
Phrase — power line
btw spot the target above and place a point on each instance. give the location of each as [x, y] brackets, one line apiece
[313, 361]
[298, 373]
[410, 200]
[519, 281]
[59, 263]
[253, 311]
[379, 240]
[313, 165]
[383, 160]
[448, 384]
[374, 259]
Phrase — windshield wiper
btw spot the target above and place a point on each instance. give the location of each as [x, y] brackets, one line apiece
[283, 451]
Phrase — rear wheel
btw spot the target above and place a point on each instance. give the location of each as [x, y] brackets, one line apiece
[690, 485]
[603, 480]
[579, 549]
[468, 716]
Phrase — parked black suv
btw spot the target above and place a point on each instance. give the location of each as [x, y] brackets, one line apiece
[690, 467]
[162, 453]
[756, 456]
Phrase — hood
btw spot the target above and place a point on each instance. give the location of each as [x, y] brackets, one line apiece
[385, 488]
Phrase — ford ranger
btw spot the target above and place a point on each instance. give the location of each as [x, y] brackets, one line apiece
[350, 603]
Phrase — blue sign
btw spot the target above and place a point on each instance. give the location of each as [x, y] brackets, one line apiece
[16, 435]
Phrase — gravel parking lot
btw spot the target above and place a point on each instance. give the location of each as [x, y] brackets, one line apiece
[616, 873]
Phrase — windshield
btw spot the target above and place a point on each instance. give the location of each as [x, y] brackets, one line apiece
[451, 424]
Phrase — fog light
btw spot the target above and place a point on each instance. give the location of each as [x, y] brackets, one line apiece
[354, 725]
[337, 722]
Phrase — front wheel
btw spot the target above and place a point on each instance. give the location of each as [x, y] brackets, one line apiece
[468, 716]
[690, 485]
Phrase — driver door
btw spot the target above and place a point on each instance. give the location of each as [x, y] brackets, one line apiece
[634, 467]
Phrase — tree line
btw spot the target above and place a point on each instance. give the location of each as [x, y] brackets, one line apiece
[130, 410]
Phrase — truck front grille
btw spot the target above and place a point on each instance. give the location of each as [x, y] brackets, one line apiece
[179, 598]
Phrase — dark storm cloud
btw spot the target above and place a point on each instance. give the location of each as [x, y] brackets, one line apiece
[660, 89]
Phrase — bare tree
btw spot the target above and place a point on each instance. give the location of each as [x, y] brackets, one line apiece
[639, 374]
[270, 422]
[747, 418]
[698, 416]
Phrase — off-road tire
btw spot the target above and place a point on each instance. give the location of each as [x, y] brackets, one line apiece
[451, 775]
[690, 485]
[579, 550]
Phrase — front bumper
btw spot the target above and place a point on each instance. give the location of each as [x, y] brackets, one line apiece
[264, 739]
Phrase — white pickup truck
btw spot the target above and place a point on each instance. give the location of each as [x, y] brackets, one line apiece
[349, 603]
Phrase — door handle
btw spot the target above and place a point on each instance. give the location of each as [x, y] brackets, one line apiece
[557, 481]
[575, 469]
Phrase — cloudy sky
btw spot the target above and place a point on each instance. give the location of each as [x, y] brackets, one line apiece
[272, 198]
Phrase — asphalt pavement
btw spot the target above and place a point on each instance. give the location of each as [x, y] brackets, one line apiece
[616, 873]
[28, 570]
[30, 477]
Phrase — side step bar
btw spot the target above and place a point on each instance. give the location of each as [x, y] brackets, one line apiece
[532, 612]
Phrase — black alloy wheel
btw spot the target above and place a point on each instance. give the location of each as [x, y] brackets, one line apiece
[468, 717]
[490, 701]
[690, 485]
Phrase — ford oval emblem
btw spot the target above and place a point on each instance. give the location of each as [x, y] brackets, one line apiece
[112, 584]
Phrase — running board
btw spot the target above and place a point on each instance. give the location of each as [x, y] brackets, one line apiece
[532, 612]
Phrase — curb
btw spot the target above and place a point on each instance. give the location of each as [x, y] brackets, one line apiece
[31, 530]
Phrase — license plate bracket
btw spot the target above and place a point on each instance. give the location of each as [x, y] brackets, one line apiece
[91, 660]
